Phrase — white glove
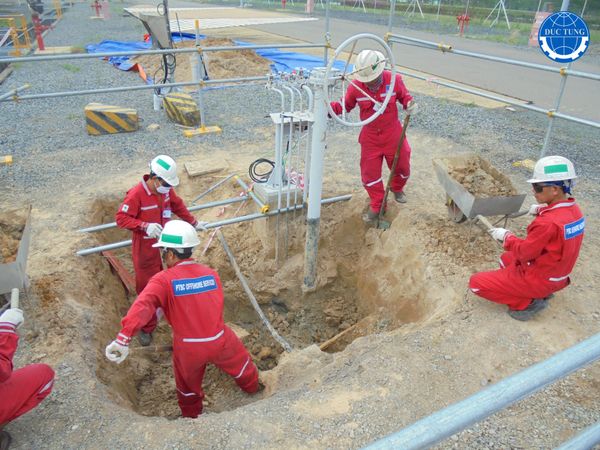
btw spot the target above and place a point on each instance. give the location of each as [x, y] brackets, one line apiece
[116, 352]
[499, 233]
[153, 230]
[412, 108]
[535, 208]
[14, 316]
[200, 226]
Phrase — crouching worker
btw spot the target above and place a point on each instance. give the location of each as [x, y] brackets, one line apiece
[535, 267]
[22, 389]
[191, 297]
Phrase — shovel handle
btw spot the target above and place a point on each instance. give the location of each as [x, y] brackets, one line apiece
[14, 298]
[484, 221]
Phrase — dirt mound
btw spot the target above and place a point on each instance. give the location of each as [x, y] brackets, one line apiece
[479, 178]
[12, 225]
[219, 64]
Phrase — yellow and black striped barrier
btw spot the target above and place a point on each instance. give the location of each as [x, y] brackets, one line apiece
[181, 108]
[107, 119]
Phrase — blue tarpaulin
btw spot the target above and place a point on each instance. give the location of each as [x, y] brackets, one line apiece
[282, 61]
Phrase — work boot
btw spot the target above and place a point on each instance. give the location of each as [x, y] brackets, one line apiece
[5, 440]
[145, 338]
[536, 305]
[400, 197]
[370, 216]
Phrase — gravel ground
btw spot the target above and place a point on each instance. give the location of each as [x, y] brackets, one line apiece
[53, 153]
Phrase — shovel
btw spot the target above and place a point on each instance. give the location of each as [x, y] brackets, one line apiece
[384, 224]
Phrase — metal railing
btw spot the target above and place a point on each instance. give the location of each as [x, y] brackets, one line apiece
[551, 113]
[458, 416]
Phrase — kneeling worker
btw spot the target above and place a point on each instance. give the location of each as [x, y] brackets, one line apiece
[191, 296]
[23, 389]
[535, 267]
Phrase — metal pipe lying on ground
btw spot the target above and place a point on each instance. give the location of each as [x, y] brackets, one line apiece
[212, 188]
[263, 207]
[228, 201]
[286, 346]
[208, 226]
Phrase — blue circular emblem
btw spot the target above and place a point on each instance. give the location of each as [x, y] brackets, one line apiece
[564, 37]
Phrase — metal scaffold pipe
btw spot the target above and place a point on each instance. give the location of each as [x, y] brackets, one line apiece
[208, 226]
[167, 51]
[458, 416]
[449, 49]
[261, 206]
[214, 204]
[286, 346]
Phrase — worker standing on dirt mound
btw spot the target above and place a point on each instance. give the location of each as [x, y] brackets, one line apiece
[24, 388]
[535, 267]
[380, 138]
[191, 296]
[146, 209]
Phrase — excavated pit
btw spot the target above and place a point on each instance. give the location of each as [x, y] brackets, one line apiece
[368, 282]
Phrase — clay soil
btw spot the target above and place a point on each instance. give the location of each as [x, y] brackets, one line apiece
[476, 177]
[12, 224]
[221, 64]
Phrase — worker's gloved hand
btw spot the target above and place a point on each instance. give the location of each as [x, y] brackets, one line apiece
[116, 352]
[153, 230]
[13, 316]
[412, 108]
[337, 108]
[499, 233]
[534, 209]
[200, 226]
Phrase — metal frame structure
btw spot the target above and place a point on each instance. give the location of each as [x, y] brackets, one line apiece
[551, 113]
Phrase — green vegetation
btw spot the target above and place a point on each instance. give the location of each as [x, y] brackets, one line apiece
[70, 68]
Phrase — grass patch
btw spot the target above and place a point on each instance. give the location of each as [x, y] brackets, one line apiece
[71, 68]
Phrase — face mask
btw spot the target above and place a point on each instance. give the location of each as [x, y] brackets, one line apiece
[162, 189]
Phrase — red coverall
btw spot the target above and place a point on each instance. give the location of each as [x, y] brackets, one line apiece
[379, 139]
[24, 388]
[191, 297]
[140, 208]
[538, 265]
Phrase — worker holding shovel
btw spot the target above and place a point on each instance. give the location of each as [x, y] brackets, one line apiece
[381, 138]
[191, 296]
[531, 269]
[23, 389]
[147, 207]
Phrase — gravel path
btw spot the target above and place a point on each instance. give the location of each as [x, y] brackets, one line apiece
[346, 400]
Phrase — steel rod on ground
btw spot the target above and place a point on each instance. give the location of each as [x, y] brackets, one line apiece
[208, 226]
[454, 418]
[14, 91]
[399, 39]
[261, 206]
[213, 187]
[587, 439]
[286, 346]
[106, 226]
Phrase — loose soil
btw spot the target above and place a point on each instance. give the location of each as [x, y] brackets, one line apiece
[479, 178]
[12, 224]
[221, 64]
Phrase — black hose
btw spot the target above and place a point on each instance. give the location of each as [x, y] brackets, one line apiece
[260, 177]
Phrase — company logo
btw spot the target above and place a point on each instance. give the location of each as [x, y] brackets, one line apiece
[574, 229]
[191, 286]
[564, 37]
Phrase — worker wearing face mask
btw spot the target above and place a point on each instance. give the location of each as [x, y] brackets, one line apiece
[147, 207]
[380, 138]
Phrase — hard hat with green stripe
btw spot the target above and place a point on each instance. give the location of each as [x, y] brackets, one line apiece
[553, 168]
[164, 167]
[177, 234]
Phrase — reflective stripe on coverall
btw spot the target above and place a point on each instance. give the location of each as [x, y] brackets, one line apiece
[23, 389]
[538, 265]
[191, 298]
[379, 139]
[140, 208]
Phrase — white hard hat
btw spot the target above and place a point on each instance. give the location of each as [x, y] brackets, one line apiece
[553, 168]
[164, 167]
[177, 234]
[369, 65]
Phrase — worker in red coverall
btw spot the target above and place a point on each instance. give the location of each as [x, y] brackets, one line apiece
[380, 138]
[535, 267]
[191, 296]
[24, 388]
[145, 210]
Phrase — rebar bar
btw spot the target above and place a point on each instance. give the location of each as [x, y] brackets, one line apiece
[213, 187]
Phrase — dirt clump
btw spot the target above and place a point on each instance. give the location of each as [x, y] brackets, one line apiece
[477, 177]
[11, 231]
[219, 64]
